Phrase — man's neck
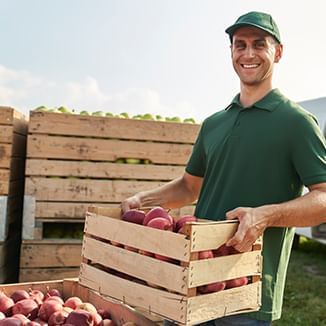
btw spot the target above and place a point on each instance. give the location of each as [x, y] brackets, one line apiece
[251, 94]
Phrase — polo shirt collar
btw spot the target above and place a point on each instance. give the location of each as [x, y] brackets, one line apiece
[269, 102]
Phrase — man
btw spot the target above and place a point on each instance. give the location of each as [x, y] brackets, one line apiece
[250, 162]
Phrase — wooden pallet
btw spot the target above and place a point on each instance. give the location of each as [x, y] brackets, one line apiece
[120, 313]
[168, 289]
[13, 134]
[73, 163]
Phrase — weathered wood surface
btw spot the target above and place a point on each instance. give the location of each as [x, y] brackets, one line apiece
[92, 149]
[103, 170]
[106, 127]
[85, 190]
[50, 253]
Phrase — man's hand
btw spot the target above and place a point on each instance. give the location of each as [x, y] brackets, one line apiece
[251, 226]
[130, 203]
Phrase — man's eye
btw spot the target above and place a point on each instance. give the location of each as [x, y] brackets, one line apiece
[260, 45]
[239, 46]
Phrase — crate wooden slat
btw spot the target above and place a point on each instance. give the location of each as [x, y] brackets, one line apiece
[106, 149]
[120, 313]
[77, 125]
[106, 170]
[72, 164]
[167, 289]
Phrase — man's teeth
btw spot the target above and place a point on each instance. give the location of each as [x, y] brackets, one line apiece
[250, 66]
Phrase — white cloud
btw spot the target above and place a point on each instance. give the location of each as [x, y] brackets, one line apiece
[24, 91]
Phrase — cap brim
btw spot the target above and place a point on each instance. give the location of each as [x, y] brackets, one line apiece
[230, 30]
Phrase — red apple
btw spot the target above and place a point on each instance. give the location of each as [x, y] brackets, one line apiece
[212, 287]
[80, 317]
[236, 282]
[22, 318]
[160, 223]
[55, 298]
[37, 296]
[19, 295]
[183, 220]
[26, 307]
[53, 292]
[10, 321]
[134, 216]
[6, 304]
[73, 302]
[205, 254]
[47, 308]
[58, 318]
[157, 212]
[87, 306]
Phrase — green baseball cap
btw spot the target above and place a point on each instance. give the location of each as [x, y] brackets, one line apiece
[257, 19]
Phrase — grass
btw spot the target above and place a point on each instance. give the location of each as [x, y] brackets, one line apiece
[305, 290]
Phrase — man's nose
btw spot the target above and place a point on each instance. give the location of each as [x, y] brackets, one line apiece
[250, 51]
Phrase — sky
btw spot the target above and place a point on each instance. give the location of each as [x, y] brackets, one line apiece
[167, 57]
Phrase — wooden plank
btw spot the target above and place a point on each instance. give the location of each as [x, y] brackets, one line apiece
[83, 190]
[165, 243]
[50, 254]
[10, 116]
[92, 149]
[4, 181]
[66, 210]
[228, 302]
[211, 235]
[77, 125]
[172, 277]
[46, 274]
[6, 134]
[5, 155]
[42, 286]
[134, 294]
[217, 269]
[73, 210]
[6, 115]
[39, 167]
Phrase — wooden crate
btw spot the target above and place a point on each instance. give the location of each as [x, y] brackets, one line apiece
[164, 288]
[120, 312]
[13, 132]
[73, 163]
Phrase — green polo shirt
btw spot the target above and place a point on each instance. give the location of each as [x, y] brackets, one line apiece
[253, 156]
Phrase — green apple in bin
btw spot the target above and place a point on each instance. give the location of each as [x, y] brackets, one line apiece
[133, 160]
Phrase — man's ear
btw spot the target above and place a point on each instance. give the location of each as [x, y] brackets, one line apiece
[278, 52]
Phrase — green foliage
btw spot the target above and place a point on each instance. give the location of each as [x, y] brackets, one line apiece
[304, 297]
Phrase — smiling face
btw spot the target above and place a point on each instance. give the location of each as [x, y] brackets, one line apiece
[254, 53]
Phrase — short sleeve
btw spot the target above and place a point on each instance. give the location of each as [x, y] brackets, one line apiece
[197, 162]
[308, 150]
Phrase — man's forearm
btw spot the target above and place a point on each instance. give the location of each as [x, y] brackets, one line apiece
[308, 210]
[171, 195]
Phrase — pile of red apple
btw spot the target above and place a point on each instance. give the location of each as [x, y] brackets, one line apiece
[160, 218]
[34, 308]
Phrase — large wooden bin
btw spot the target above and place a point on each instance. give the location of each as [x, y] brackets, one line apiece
[164, 288]
[13, 132]
[120, 313]
[75, 161]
